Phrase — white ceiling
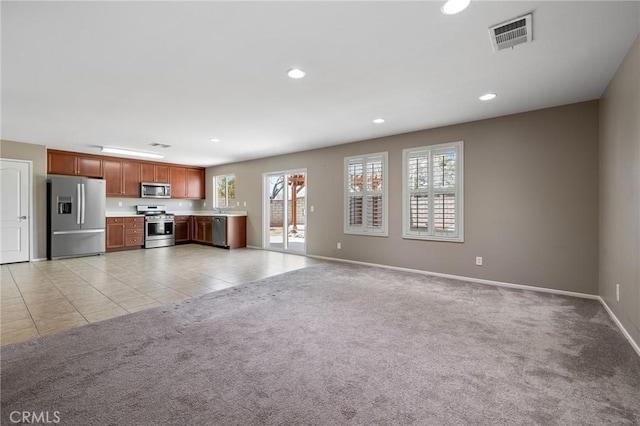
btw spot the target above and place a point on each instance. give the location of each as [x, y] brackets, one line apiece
[78, 75]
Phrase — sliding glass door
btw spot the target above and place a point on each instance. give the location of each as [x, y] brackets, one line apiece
[285, 211]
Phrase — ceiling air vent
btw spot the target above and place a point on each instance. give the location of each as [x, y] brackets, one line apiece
[159, 145]
[511, 33]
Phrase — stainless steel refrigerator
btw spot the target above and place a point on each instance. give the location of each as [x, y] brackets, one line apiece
[75, 216]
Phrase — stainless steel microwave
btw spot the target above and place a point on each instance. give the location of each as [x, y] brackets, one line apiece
[155, 190]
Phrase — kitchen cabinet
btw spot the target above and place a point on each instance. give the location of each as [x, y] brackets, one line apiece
[187, 183]
[230, 231]
[195, 183]
[122, 177]
[202, 229]
[182, 229]
[155, 173]
[125, 233]
[115, 233]
[65, 163]
[178, 180]
[134, 232]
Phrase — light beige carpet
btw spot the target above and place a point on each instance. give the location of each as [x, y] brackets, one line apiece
[336, 344]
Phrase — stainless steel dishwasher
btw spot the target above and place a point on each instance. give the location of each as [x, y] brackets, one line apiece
[220, 231]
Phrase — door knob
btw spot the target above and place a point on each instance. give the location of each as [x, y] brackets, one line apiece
[22, 217]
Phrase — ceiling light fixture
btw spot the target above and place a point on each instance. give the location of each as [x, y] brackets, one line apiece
[214, 140]
[379, 120]
[130, 152]
[452, 7]
[296, 73]
[487, 96]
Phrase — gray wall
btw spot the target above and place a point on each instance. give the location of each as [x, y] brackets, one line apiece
[37, 154]
[620, 192]
[531, 200]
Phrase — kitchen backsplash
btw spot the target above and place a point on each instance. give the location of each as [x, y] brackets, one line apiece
[173, 206]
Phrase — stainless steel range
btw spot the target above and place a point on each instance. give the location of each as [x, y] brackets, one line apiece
[159, 226]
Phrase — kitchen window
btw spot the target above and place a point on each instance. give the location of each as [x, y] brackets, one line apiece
[365, 195]
[224, 191]
[433, 192]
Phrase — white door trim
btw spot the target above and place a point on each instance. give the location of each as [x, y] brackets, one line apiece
[265, 209]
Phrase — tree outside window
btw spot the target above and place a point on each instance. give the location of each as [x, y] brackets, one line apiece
[225, 191]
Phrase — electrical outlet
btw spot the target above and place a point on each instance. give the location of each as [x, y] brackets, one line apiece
[180, 204]
[617, 292]
[238, 203]
[204, 204]
[119, 203]
[339, 245]
[311, 208]
[479, 261]
[245, 204]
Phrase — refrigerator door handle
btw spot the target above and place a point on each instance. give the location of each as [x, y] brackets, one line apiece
[83, 205]
[79, 231]
[78, 208]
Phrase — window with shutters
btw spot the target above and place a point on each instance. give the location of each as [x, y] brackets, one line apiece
[366, 194]
[433, 192]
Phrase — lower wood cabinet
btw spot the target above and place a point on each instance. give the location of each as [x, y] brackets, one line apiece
[202, 229]
[230, 231]
[183, 229]
[235, 232]
[115, 233]
[125, 233]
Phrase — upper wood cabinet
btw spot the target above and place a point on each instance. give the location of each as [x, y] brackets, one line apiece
[122, 177]
[64, 163]
[178, 180]
[195, 183]
[187, 183]
[155, 173]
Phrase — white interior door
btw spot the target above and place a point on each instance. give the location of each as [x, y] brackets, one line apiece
[15, 181]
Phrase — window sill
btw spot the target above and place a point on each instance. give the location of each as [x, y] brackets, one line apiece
[431, 238]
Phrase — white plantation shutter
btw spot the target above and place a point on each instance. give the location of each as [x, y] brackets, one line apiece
[433, 192]
[355, 192]
[365, 194]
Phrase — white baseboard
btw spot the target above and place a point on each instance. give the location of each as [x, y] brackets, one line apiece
[469, 279]
[624, 331]
[626, 334]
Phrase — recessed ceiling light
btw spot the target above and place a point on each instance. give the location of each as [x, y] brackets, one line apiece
[214, 140]
[452, 7]
[296, 73]
[379, 120]
[487, 96]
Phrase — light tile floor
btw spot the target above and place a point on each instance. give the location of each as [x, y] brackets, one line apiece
[46, 297]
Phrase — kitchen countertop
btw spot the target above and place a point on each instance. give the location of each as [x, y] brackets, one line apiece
[199, 213]
[122, 214]
[228, 214]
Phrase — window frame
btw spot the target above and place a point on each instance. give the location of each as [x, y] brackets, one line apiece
[383, 231]
[430, 235]
[215, 190]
